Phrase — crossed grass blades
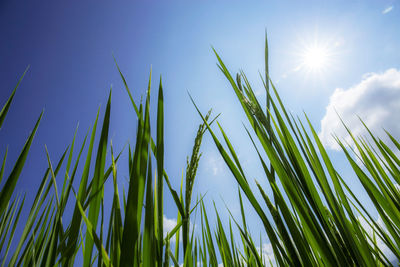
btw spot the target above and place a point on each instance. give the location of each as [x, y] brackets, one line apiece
[311, 219]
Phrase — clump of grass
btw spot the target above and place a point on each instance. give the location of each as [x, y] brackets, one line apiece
[312, 217]
[315, 218]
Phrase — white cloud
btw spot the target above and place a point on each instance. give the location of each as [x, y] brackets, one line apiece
[376, 100]
[169, 225]
[387, 10]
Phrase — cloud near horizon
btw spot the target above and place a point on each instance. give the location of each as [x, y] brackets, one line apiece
[376, 100]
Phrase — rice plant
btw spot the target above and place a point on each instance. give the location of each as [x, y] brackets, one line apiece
[316, 218]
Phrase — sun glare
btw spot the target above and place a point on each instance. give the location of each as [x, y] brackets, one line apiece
[315, 58]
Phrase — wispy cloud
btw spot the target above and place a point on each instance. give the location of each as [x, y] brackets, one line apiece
[286, 74]
[215, 164]
[387, 10]
[268, 255]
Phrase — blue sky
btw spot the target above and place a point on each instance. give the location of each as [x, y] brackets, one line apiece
[69, 48]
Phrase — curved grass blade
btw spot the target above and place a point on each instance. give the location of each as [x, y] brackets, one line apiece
[11, 182]
[7, 105]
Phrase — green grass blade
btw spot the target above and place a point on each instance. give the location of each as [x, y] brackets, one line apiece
[11, 182]
[94, 207]
[76, 217]
[7, 105]
[3, 165]
[149, 242]
[160, 168]
[92, 233]
[130, 235]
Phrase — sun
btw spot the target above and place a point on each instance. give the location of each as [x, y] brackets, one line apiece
[315, 58]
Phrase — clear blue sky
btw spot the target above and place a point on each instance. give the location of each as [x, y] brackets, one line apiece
[69, 47]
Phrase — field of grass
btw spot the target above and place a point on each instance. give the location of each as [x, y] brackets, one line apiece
[316, 218]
